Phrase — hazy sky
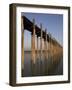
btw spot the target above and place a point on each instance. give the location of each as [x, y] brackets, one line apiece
[52, 22]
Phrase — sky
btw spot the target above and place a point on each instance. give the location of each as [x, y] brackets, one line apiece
[52, 22]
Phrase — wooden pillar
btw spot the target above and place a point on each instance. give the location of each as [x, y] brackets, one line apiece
[33, 42]
[52, 48]
[22, 44]
[41, 43]
[53, 52]
[43, 47]
[46, 45]
[56, 51]
[49, 46]
[37, 49]
[48, 49]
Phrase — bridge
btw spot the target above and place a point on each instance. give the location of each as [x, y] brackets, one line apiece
[51, 45]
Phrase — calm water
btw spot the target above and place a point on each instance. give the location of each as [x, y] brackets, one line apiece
[42, 66]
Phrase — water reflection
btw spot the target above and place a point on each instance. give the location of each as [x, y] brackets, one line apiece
[42, 66]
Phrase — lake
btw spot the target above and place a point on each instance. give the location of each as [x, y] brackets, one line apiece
[42, 66]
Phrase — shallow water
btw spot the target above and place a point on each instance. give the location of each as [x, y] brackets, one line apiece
[42, 66]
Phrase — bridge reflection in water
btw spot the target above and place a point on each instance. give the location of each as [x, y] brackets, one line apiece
[48, 60]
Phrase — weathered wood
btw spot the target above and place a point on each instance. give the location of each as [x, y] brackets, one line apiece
[37, 49]
[41, 43]
[22, 43]
[33, 43]
[46, 53]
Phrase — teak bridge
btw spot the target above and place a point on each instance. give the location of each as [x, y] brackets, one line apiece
[51, 46]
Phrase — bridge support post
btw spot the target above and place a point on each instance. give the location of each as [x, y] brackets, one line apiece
[50, 50]
[33, 42]
[43, 48]
[22, 43]
[41, 43]
[46, 46]
[41, 54]
[37, 49]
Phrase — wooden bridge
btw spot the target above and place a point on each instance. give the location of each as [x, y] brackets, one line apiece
[51, 46]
